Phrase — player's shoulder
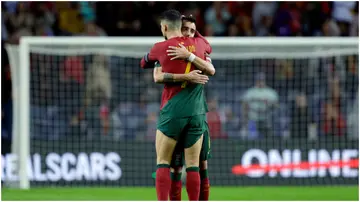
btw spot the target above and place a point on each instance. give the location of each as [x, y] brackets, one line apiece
[160, 44]
[201, 40]
[179, 39]
[205, 43]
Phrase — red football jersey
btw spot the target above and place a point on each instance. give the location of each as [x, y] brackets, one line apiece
[197, 46]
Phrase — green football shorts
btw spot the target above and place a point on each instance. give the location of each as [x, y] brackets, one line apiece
[178, 158]
[186, 130]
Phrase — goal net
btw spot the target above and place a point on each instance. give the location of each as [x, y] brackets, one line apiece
[281, 112]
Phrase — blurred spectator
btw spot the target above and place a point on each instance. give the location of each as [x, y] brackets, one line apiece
[118, 127]
[245, 26]
[330, 28]
[43, 16]
[257, 103]
[262, 17]
[313, 16]
[240, 21]
[264, 27]
[286, 21]
[91, 29]
[19, 23]
[353, 120]
[15, 37]
[98, 95]
[22, 18]
[195, 11]
[352, 76]
[301, 119]
[73, 68]
[217, 16]
[98, 83]
[127, 23]
[43, 31]
[148, 109]
[334, 123]
[342, 13]
[233, 30]
[231, 123]
[10, 6]
[87, 10]
[354, 28]
[105, 117]
[240, 8]
[210, 32]
[70, 90]
[214, 119]
[70, 19]
[262, 9]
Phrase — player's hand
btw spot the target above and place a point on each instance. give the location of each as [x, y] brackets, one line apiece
[178, 52]
[195, 76]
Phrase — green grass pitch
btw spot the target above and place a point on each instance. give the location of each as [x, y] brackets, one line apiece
[261, 193]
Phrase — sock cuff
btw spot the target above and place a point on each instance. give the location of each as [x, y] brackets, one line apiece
[203, 174]
[192, 169]
[175, 176]
[163, 166]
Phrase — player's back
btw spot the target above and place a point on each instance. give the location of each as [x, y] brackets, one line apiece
[193, 45]
[185, 99]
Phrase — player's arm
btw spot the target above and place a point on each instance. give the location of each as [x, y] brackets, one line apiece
[208, 47]
[182, 53]
[163, 77]
[148, 61]
[203, 65]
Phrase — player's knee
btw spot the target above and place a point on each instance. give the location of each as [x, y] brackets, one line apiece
[203, 165]
[192, 162]
[162, 161]
[163, 158]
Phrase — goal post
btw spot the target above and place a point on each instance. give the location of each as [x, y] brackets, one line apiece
[247, 54]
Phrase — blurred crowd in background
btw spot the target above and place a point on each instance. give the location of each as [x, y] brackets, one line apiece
[137, 113]
[212, 18]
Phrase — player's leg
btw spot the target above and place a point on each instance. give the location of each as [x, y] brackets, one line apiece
[192, 170]
[204, 183]
[164, 149]
[169, 130]
[176, 183]
[175, 172]
[204, 155]
[192, 145]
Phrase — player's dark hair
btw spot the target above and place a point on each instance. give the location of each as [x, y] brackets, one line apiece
[189, 18]
[173, 17]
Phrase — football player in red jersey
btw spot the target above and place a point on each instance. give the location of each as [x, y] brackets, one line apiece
[183, 106]
[188, 29]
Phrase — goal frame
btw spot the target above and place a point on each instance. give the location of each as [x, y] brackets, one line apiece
[21, 119]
